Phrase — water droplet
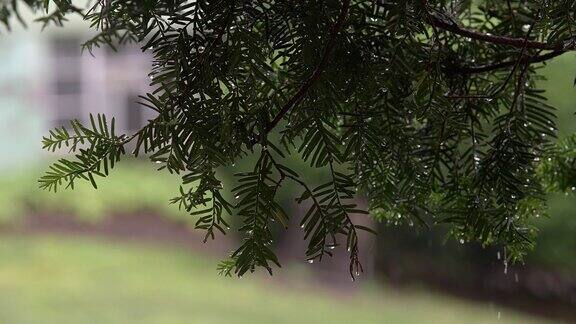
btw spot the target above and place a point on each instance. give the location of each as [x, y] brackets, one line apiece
[525, 28]
[310, 261]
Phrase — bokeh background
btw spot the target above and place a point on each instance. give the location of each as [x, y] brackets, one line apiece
[122, 254]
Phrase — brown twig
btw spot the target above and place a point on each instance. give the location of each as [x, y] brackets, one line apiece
[557, 49]
[299, 96]
[494, 39]
[517, 62]
[506, 64]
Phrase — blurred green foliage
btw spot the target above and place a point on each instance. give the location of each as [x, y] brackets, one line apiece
[135, 188]
[81, 281]
[561, 93]
[556, 241]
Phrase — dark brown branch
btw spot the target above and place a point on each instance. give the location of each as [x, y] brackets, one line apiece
[522, 60]
[516, 63]
[506, 64]
[299, 96]
[502, 40]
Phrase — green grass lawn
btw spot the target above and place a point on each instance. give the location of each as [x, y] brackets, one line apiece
[79, 280]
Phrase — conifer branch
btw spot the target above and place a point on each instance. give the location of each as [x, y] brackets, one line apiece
[299, 96]
[383, 116]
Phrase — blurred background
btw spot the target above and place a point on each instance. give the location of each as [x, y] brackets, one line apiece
[122, 254]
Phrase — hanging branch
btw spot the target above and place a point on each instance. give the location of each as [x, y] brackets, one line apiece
[218, 67]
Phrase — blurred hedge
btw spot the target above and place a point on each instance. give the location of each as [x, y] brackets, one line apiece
[133, 188]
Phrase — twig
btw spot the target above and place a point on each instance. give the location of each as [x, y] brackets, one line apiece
[516, 63]
[452, 27]
[524, 60]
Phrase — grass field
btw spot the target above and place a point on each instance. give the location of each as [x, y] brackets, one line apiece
[78, 280]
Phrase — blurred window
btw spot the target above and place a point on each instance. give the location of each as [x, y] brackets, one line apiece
[66, 83]
[134, 112]
[66, 47]
[67, 87]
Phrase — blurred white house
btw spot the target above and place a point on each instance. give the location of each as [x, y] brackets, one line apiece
[46, 80]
